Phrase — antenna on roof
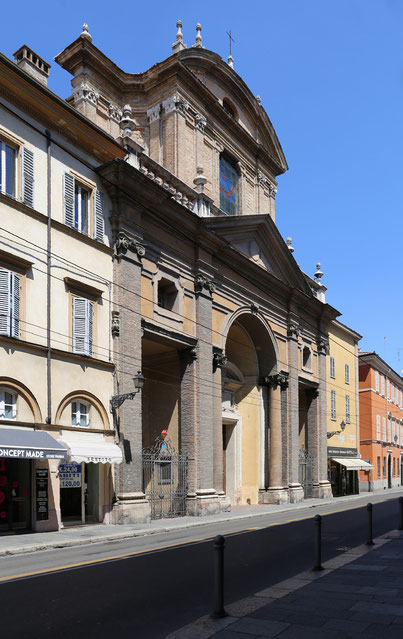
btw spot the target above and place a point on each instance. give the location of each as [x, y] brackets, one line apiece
[231, 40]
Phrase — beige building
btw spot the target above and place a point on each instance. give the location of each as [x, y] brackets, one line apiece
[57, 443]
[209, 303]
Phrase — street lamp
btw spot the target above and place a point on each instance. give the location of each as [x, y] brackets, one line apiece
[117, 400]
[337, 432]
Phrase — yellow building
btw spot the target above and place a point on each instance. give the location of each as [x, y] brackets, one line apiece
[343, 409]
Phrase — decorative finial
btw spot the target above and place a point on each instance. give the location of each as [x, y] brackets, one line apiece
[200, 179]
[85, 33]
[318, 275]
[178, 45]
[258, 99]
[291, 248]
[127, 123]
[231, 61]
[198, 35]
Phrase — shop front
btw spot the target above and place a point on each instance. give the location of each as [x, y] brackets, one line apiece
[343, 467]
[86, 479]
[22, 452]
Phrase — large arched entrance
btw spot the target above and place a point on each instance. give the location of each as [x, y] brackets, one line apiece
[252, 358]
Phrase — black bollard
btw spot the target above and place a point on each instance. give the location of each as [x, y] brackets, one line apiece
[400, 526]
[370, 541]
[317, 520]
[219, 611]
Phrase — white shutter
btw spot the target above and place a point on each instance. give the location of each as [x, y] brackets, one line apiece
[83, 321]
[68, 198]
[90, 326]
[79, 325]
[99, 223]
[28, 177]
[16, 295]
[5, 287]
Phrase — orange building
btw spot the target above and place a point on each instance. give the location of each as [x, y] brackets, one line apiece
[381, 423]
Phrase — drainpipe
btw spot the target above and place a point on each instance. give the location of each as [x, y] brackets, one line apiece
[48, 281]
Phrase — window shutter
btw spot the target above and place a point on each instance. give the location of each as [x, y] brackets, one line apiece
[68, 197]
[79, 325]
[90, 325]
[15, 326]
[28, 177]
[83, 314]
[99, 223]
[5, 280]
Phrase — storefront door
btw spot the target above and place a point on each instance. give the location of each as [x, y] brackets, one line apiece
[79, 493]
[15, 495]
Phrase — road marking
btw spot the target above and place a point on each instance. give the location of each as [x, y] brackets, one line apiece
[90, 562]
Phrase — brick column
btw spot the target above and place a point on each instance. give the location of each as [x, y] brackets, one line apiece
[323, 489]
[276, 493]
[296, 491]
[131, 505]
[188, 432]
[206, 499]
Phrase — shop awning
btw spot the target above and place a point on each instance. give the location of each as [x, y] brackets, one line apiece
[353, 463]
[92, 452]
[18, 443]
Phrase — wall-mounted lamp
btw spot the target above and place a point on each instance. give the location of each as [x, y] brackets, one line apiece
[117, 400]
[337, 432]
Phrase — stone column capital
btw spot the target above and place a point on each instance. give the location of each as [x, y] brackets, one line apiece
[323, 345]
[124, 243]
[219, 359]
[204, 285]
[277, 379]
[293, 330]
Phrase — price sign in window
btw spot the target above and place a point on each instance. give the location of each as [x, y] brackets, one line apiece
[70, 475]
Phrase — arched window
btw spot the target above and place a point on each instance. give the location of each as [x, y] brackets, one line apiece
[229, 186]
[8, 404]
[80, 414]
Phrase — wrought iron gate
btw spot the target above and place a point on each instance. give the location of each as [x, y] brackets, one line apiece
[165, 478]
[306, 472]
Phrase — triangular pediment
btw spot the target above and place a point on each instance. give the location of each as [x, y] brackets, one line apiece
[256, 238]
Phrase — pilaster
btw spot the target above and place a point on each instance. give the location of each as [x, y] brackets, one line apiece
[205, 501]
[296, 491]
[131, 506]
[323, 489]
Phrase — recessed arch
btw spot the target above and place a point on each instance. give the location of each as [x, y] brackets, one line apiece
[86, 397]
[20, 389]
[261, 334]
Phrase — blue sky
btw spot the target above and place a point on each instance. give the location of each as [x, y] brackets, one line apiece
[330, 75]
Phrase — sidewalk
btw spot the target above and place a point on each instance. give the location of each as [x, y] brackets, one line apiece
[81, 535]
[360, 593]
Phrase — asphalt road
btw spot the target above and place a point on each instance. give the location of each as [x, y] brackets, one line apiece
[151, 594]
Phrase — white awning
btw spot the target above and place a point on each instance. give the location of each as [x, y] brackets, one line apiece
[92, 452]
[353, 463]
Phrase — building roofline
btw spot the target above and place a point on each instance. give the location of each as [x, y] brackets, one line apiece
[372, 355]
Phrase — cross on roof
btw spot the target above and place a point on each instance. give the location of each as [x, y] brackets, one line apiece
[231, 40]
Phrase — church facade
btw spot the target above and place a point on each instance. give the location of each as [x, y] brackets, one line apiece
[209, 305]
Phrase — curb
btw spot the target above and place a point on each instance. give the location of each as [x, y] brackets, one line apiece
[119, 536]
